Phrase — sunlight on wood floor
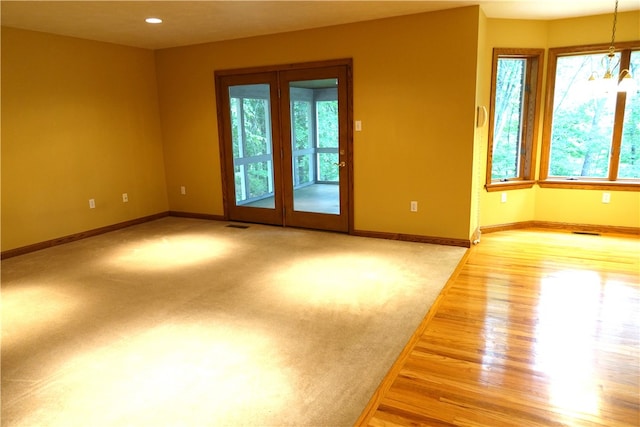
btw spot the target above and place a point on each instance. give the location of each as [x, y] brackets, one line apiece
[538, 329]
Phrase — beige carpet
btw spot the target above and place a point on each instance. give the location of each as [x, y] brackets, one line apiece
[182, 322]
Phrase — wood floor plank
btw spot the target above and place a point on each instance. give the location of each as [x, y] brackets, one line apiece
[538, 328]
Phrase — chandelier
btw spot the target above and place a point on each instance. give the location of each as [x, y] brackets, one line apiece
[609, 82]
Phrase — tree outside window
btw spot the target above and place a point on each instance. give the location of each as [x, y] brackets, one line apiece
[629, 165]
[327, 119]
[515, 99]
[592, 133]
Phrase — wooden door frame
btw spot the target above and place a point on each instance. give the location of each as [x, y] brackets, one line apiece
[265, 215]
[219, 75]
[307, 219]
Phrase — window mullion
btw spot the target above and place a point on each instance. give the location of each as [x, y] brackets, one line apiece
[528, 118]
[616, 138]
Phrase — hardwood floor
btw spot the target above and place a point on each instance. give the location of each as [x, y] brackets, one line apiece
[536, 328]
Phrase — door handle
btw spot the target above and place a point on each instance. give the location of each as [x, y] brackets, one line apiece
[341, 164]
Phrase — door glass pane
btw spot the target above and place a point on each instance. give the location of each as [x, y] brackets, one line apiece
[630, 149]
[302, 138]
[302, 173]
[314, 144]
[327, 170]
[252, 145]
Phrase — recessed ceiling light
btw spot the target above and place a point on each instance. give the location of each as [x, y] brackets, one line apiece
[153, 21]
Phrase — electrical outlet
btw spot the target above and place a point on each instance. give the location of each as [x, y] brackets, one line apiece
[125, 197]
[606, 197]
[414, 206]
[503, 198]
[92, 203]
[183, 190]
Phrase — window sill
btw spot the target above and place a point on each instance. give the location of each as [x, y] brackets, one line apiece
[591, 184]
[509, 185]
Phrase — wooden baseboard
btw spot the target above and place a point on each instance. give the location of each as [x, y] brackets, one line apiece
[413, 238]
[562, 226]
[505, 227]
[197, 215]
[475, 238]
[387, 382]
[106, 229]
[78, 236]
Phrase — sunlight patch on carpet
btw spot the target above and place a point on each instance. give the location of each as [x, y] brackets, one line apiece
[172, 375]
[347, 280]
[31, 309]
[170, 252]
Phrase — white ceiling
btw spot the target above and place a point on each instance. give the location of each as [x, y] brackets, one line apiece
[193, 22]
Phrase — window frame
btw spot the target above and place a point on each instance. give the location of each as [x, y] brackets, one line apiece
[611, 182]
[530, 117]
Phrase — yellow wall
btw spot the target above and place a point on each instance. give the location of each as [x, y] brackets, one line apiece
[481, 133]
[586, 207]
[550, 204]
[79, 120]
[520, 204]
[417, 125]
[593, 29]
[82, 119]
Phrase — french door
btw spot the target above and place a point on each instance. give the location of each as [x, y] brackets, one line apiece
[286, 146]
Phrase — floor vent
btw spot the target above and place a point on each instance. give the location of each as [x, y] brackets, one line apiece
[588, 233]
[237, 226]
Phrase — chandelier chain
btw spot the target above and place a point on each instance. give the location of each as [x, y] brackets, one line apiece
[613, 31]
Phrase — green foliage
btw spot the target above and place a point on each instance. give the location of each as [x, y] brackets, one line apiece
[327, 134]
[328, 137]
[301, 112]
[582, 123]
[259, 179]
[235, 127]
[238, 174]
[302, 169]
[505, 162]
[581, 138]
[630, 149]
[251, 137]
[583, 119]
[329, 172]
[257, 135]
[327, 119]
[301, 139]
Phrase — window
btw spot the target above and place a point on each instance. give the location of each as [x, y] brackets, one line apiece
[515, 105]
[314, 119]
[302, 144]
[251, 142]
[327, 118]
[591, 136]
